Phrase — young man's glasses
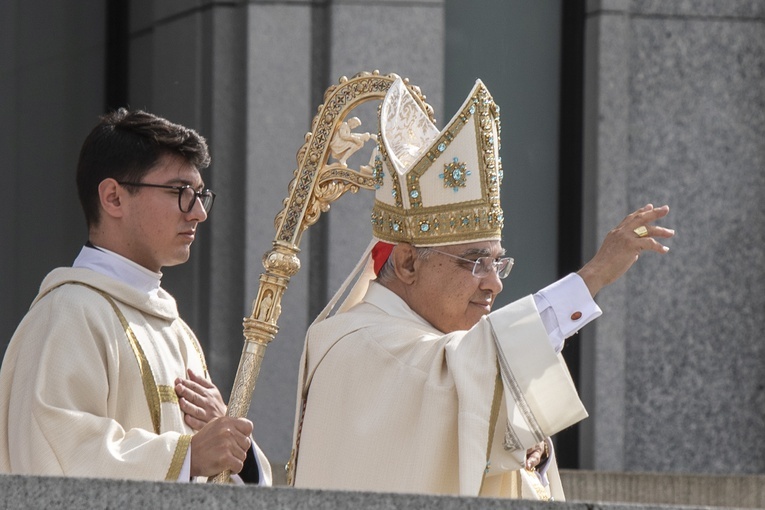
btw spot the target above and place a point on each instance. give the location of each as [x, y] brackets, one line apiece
[187, 195]
[483, 266]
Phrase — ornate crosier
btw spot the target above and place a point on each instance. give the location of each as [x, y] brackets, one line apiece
[316, 185]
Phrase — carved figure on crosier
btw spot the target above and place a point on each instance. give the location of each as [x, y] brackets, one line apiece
[345, 142]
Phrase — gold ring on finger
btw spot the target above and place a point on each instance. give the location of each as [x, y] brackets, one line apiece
[641, 231]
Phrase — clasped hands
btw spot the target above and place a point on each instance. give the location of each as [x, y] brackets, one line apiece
[536, 456]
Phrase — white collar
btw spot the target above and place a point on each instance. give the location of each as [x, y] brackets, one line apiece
[391, 303]
[116, 266]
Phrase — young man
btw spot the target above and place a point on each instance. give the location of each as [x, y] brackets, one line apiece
[102, 377]
[419, 386]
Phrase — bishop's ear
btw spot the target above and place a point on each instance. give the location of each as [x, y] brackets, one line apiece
[404, 256]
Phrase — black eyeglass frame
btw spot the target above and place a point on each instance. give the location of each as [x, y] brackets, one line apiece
[203, 195]
[509, 262]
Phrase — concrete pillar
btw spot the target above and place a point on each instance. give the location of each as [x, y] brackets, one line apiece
[676, 114]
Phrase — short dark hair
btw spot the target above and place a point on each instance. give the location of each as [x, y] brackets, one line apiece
[126, 145]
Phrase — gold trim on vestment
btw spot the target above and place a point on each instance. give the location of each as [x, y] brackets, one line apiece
[147, 376]
[496, 402]
[155, 394]
[291, 465]
[197, 347]
[536, 484]
[179, 456]
[167, 394]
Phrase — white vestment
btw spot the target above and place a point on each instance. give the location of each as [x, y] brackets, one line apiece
[87, 383]
[392, 404]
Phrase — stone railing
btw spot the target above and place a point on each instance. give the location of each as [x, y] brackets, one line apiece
[637, 489]
[729, 491]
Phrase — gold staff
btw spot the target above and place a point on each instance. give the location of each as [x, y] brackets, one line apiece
[316, 185]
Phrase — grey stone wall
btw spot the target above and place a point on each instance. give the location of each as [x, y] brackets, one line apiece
[675, 110]
[51, 92]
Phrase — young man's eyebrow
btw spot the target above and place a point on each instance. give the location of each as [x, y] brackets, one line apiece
[186, 182]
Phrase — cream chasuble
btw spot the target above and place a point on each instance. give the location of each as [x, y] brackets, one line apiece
[392, 404]
[93, 366]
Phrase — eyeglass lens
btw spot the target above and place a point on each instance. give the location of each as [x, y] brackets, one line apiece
[188, 196]
[484, 266]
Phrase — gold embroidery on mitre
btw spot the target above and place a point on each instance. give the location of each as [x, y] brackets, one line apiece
[396, 186]
[451, 184]
[455, 175]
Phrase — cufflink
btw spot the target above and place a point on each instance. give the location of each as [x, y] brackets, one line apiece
[576, 316]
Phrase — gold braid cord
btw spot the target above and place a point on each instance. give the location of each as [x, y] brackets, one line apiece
[316, 185]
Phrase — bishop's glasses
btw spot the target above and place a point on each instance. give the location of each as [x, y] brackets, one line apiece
[483, 266]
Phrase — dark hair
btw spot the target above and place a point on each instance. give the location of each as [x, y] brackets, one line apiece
[126, 145]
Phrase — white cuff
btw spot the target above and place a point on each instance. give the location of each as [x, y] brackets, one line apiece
[185, 475]
[565, 307]
[262, 482]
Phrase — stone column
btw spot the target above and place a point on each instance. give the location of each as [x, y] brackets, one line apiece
[279, 113]
[51, 93]
[675, 113]
[399, 37]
